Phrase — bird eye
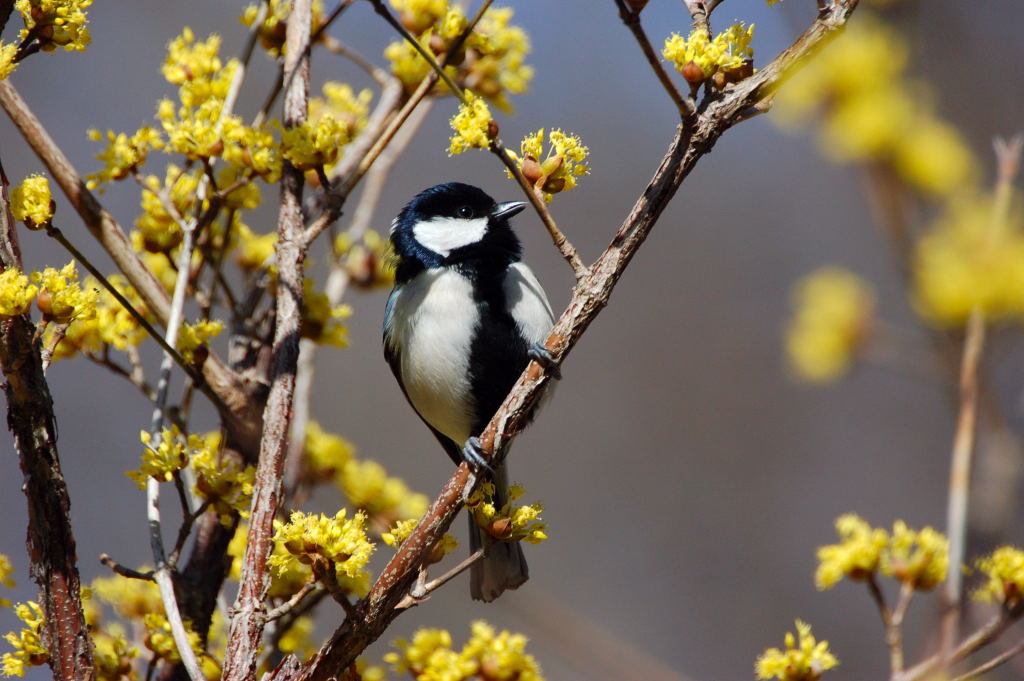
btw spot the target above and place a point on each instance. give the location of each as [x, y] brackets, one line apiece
[465, 212]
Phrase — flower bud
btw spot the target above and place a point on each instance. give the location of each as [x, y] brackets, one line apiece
[492, 129]
[500, 528]
[693, 73]
[437, 45]
[718, 79]
[637, 5]
[416, 24]
[531, 170]
[554, 185]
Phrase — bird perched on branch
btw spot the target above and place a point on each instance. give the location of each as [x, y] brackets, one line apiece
[464, 319]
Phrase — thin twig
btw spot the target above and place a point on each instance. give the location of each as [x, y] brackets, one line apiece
[291, 603]
[631, 19]
[996, 661]
[125, 571]
[561, 242]
[421, 591]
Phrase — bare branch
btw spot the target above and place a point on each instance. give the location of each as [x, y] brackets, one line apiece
[246, 627]
[631, 18]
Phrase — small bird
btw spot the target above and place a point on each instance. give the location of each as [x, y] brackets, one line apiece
[464, 319]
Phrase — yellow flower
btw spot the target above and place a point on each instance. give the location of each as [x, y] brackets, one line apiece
[111, 325]
[499, 656]
[369, 488]
[170, 455]
[320, 321]
[370, 264]
[510, 522]
[298, 640]
[285, 581]
[6, 570]
[221, 479]
[344, 105]
[123, 154]
[254, 250]
[16, 293]
[971, 258]
[160, 230]
[252, 149]
[56, 23]
[314, 143]
[112, 656]
[1005, 572]
[272, 30]
[727, 52]
[857, 555]
[160, 641]
[131, 598]
[917, 558]
[7, 65]
[399, 532]
[191, 337]
[326, 453]
[32, 203]
[804, 659]
[472, 126]
[61, 298]
[196, 131]
[419, 15]
[28, 644]
[831, 320]
[324, 542]
[557, 172]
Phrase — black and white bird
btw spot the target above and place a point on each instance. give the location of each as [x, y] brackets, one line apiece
[464, 319]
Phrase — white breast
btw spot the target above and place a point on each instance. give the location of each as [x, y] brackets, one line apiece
[528, 303]
[431, 331]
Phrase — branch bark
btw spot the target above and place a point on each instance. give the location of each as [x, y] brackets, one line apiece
[250, 611]
[51, 543]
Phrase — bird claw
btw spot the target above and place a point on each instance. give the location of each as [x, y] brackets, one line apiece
[473, 454]
[542, 356]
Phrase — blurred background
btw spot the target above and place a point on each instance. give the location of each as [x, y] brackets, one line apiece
[687, 475]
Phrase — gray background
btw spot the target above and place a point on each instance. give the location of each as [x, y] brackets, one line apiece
[687, 480]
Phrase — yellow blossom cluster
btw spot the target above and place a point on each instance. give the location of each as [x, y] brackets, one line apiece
[491, 61]
[509, 522]
[1004, 573]
[112, 324]
[556, 171]
[130, 598]
[917, 558]
[340, 102]
[7, 54]
[32, 203]
[16, 293]
[61, 297]
[699, 57]
[222, 480]
[6, 570]
[193, 337]
[27, 643]
[326, 543]
[160, 640]
[325, 453]
[972, 257]
[369, 488]
[167, 456]
[272, 30]
[473, 125]
[314, 143]
[322, 322]
[123, 154]
[197, 69]
[112, 655]
[401, 530]
[55, 23]
[497, 656]
[831, 321]
[370, 262]
[159, 229]
[872, 112]
[254, 250]
[252, 149]
[803, 659]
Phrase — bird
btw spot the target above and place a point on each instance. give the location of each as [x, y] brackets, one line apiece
[464, 319]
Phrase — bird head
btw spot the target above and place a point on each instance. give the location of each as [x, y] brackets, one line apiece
[455, 224]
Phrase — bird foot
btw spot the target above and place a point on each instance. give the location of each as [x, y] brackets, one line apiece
[542, 356]
[473, 454]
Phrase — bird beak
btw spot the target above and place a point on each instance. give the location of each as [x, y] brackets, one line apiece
[505, 210]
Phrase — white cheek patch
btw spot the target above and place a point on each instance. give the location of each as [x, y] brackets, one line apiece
[443, 235]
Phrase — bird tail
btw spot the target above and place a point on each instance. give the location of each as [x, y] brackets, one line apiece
[504, 567]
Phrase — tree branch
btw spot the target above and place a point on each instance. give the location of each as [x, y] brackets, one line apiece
[247, 624]
[51, 542]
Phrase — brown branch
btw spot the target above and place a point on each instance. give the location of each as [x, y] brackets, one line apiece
[51, 542]
[374, 613]
[248, 622]
[422, 589]
[293, 602]
[631, 18]
[996, 661]
[125, 571]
